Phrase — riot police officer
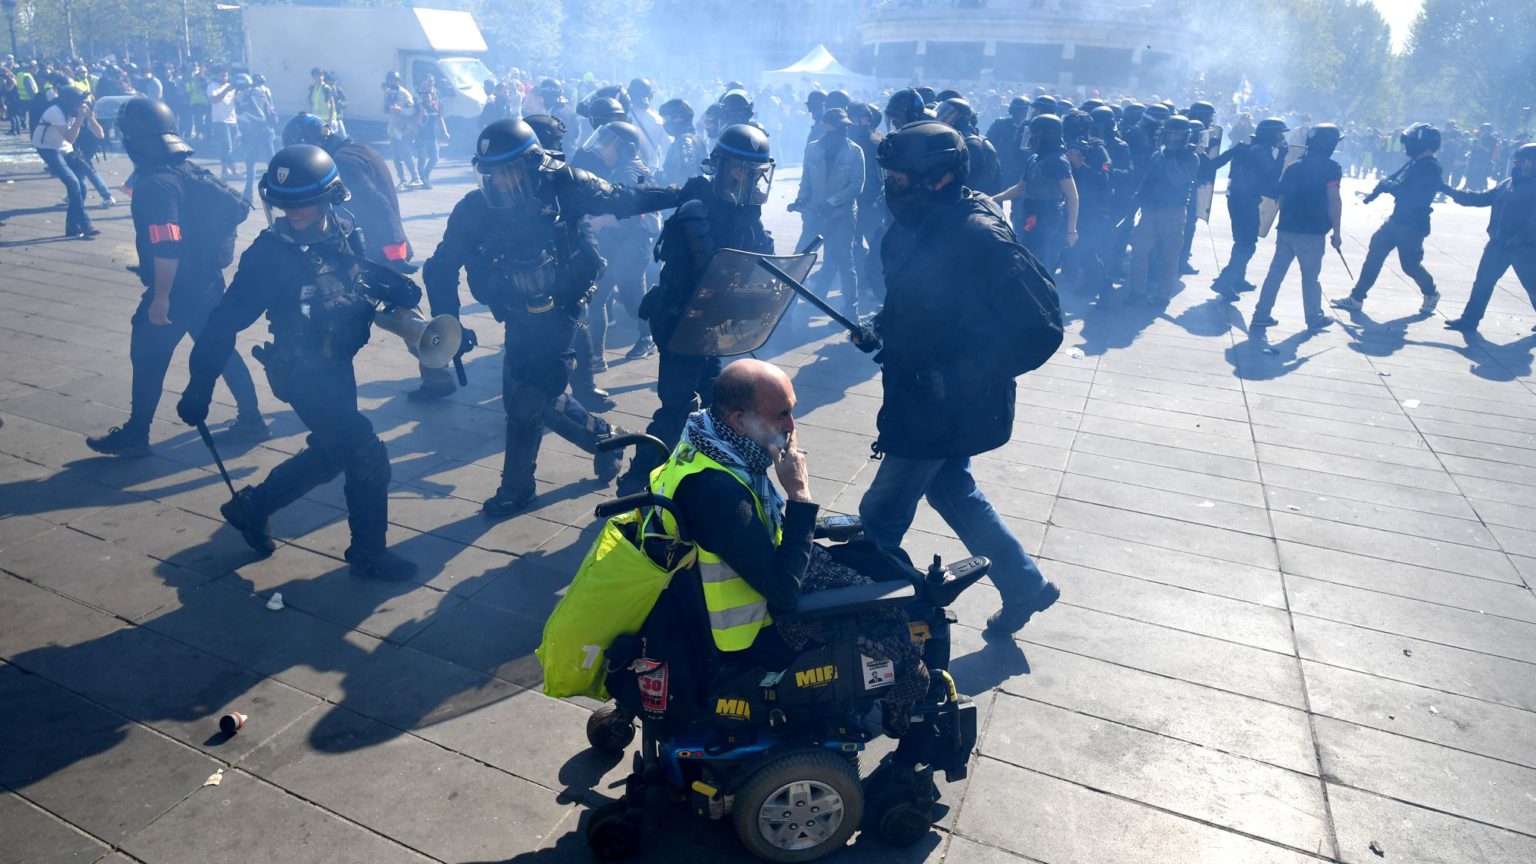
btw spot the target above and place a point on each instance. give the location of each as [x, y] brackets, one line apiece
[373, 203]
[736, 108]
[1084, 268]
[951, 351]
[625, 244]
[516, 237]
[181, 260]
[1256, 167]
[1045, 216]
[869, 217]
[686, 152]
[1163, 197]
[1511, 236]
[728, 216]
[307, 274]
[1007, 136]
[904, 106]
[986, 173]
[1202, 115]
[1413, 188]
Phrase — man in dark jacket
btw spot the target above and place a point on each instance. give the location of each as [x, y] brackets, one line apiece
[951, 350]
[1256, 167]
[1414, 187]
[374, 203]
[1511, 236]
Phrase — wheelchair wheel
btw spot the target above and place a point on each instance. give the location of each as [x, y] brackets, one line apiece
[612, 834]
[902, 821]
[610, 730]
[799, 807]
[899, 805]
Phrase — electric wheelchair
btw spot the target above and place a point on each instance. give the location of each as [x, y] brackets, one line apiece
[776, 749]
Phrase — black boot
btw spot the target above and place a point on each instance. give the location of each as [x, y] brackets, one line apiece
[382, 564]
[245, 515]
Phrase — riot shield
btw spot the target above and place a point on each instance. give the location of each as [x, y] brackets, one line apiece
[1205, 193]
[737, 304]
[1269, 208]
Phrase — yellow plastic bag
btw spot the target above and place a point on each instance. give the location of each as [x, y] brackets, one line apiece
[611, 596]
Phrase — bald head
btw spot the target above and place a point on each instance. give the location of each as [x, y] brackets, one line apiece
[755, 399]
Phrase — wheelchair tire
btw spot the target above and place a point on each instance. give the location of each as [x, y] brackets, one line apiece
[612, 834]
[609, 730]
[799, 807]
[902, 821]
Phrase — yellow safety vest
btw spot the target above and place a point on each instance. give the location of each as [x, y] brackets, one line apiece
[736, 611]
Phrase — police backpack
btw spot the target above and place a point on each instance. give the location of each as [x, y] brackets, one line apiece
[214, 213]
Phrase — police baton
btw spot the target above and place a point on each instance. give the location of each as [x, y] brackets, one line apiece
[202, 429]
[1346, 263]
[805, 292]
[458, 369]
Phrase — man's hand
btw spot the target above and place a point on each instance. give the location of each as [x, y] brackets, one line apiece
[867, 339]
[192, 409]
[467, 342]
[160, 310]
[789, 463]
[1336, 240]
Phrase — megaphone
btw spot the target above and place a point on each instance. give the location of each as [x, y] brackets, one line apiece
[435, 342]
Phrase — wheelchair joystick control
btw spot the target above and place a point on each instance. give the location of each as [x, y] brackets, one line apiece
[936, 572]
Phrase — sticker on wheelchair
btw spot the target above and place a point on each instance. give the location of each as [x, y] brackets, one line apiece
[877, 673]
[652, 679]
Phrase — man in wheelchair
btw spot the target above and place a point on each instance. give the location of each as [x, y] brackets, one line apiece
[756, 669]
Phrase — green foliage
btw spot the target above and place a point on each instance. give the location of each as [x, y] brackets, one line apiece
[1472, 60]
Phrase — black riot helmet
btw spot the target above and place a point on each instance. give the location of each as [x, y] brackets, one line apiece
[1322, 139]
[623, 137]
[1158, 113]
[508, 158]
[838, 99]
[1077, 126]
[1064, 107]
[928, 94]
[1018, 107]
[305, 128]
[1204, 112]
[1270, 132]
[604, 109]
[949, 93]
[1090, 104]
[740, 166]
[925, 151]
[301, 175]
[1522, 165]
[1176, 132]
[550, 94]
[956, 113]
[149, 132]
[713, 119]
[1420, 138]
[904, 106]
[1045, 133]
[1103, 122]
[735, 107]
[641, 90]
[1131, 115]
[615, 92]
[815, 102]
[1042, 105]
[550, 131]
[676, 116]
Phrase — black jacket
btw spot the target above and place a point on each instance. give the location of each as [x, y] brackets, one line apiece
[374, 203]
[1513, 220]
[967, 310]
[722, 516]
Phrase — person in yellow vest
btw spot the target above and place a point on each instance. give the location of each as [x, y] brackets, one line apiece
[753, 540]
[27, 90]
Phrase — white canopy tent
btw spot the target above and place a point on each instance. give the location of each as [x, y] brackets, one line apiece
[820, 67]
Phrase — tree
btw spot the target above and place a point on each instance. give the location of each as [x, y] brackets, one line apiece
[1473, 60]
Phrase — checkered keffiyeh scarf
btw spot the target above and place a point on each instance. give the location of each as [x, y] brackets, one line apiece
[741, 456]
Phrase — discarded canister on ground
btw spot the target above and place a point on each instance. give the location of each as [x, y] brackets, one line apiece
[230, 723]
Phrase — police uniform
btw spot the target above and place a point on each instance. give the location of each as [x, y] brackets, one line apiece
[528, 265]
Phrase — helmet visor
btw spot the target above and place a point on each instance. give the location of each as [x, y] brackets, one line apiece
[743, 183]
[510, 185]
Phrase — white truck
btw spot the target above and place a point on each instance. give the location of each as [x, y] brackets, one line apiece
[360, 45]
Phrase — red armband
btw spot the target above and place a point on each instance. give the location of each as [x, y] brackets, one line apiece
[395, 251]
[170, 232]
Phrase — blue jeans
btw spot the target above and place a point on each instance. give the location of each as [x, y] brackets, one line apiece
[76, 219]
[891, 502]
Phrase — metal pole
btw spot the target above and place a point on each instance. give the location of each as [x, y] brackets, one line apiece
[69, 26]
[186, 34]
[10, 16]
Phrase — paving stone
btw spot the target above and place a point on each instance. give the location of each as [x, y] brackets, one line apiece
[1452, 781]
[1365, 469]
[1168, 566]
[1226, 445]
[1182, 505]
[1490, 634]
[1404, 832]
[89, 766]
[1375, 492]
[33, 836]
[99, 573]
[1484, 728]
[445, 805]
[1441, 555]
[1428, 664]
[246, 818]
[1168, 457]
[1404, 580]
[1166, 706]
[1046, 819]
[1168, 533]
[487, 640]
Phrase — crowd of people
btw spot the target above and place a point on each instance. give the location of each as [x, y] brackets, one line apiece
[596, 199]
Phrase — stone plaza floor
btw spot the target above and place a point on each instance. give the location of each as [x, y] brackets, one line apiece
[1296, 619]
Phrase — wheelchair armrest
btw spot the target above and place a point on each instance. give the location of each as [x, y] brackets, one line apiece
[850, 600]
[838, 528]
[644, 499]
[615, 442]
